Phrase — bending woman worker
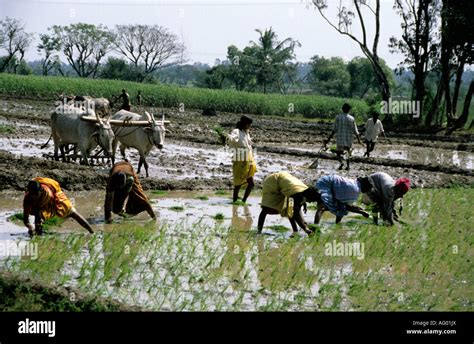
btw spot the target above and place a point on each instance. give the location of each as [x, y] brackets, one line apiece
[44, 199]
[124, 193]
[285, 195]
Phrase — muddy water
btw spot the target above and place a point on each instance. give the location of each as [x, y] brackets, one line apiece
[424, 155]
[177, 160]
[272, 258]
[185, 208]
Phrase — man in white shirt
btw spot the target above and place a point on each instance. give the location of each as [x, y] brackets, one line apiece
[373, 128]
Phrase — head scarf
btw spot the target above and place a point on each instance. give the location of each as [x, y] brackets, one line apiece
[403, 184]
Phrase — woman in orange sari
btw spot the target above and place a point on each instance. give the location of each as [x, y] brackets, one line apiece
[44, 199]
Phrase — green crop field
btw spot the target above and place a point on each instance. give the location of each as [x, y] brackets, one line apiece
[308, 106]
[422, 264]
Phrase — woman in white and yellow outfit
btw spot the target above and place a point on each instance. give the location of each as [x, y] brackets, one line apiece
[243, 162]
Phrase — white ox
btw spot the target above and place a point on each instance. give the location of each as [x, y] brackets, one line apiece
[141, 138]
[67, 127]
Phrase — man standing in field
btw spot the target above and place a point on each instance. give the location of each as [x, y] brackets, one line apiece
[344, 128]
[125, 100]
[139, 98]
[44, 199]
[385, 190]
[373, 128]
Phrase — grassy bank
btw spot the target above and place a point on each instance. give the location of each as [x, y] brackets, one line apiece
[421, 264]
[173, 97]
[20, 294]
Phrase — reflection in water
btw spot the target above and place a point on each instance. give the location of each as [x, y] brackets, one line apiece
[282, 266]
[435, 156]
[235, 259]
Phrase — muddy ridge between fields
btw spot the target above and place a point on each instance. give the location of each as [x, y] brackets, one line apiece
[72, 176]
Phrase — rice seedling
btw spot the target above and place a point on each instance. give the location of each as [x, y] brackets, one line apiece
[159, 192]
[16, 217]
[279, 228]
[7, 129]
[177, 208]
[423, 264]
[219, 217]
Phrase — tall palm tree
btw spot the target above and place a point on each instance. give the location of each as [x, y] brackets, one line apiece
[271, 57]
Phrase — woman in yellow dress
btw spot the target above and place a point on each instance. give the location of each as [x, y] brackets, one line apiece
[286, 195]
[243, 162]
[44, 199]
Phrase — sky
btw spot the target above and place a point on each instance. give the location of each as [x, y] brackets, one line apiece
[208, 27]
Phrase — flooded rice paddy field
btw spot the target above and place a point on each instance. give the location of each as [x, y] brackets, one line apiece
[188, 260]
[203, 253]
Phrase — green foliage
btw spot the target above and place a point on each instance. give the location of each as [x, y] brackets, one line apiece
[6, 129]
[335, 77]
[16, 217]
[330, 77]
[84, 46]
[52, 222]
[270, 59]
[159, 192]
[171, 96]
[118, 69]
[219, 217]
[279, 228]
[177, 208]
[422, 263]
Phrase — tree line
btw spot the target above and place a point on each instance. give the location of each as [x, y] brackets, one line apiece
[437, 44]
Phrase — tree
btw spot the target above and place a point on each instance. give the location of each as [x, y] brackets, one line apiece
[214, 77]
[149, 47]
[457, 41]
[418, 42]
[329, 77]
[119, 69]
[15, 40]
[345, 21]
[49, 47]
[363, 79]
[270, 58]
[84, 46]
[240, 69]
